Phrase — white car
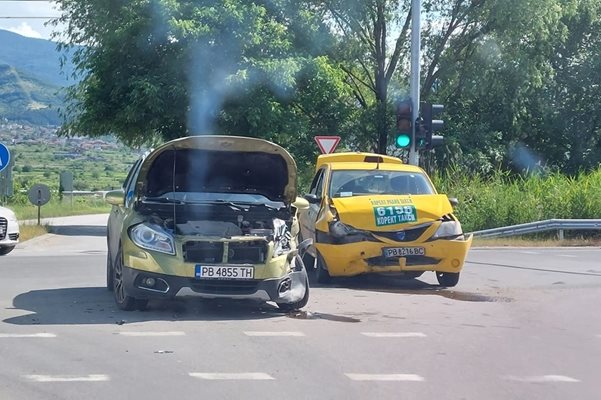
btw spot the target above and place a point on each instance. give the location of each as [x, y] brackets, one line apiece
[9, 231]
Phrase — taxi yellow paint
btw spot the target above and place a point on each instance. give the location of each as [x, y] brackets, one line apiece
[352, 230]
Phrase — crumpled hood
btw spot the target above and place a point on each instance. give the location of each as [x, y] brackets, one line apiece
[220, 164]
[391, 212]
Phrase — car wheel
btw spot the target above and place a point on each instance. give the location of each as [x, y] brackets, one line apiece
[141, 304]
[322, 274]
[309, 262]
[447, 279]
[122, 299]
[5, 250]
[289, 307]
[109, 272]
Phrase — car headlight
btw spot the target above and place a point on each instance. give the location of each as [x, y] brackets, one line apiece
[152, 238]
[448, 230]
[11, 217]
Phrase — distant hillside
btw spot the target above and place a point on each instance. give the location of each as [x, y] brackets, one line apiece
[24, 98]
[37, 58]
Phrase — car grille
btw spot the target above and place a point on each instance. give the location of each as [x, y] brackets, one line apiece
[13, 236]
[203, 252]
[408, 235]
[248, 252]
[209, 286]
[382, 261]
[3, 227]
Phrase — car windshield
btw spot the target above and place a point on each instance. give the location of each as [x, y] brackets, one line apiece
[348, 183]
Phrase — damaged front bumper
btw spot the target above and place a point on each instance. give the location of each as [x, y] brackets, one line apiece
[361, 257]
[288, 289]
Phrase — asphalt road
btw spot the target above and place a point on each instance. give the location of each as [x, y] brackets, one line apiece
[522, 324]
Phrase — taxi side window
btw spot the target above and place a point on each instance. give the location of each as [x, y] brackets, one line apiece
[317, 184]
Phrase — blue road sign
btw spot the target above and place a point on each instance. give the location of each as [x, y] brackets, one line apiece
[4, 157]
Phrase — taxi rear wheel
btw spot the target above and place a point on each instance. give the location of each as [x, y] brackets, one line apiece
[321, 273]
[447, 279]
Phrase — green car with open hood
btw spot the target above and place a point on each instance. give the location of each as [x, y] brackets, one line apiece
[209, 217]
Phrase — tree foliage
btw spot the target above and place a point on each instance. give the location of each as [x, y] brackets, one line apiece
[519, 78]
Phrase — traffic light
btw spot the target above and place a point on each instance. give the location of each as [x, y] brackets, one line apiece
[404, 125]
[430, 125]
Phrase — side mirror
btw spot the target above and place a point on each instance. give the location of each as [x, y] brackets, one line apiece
[454, 202]
[312, 198]
[115, 197]
[300, 204]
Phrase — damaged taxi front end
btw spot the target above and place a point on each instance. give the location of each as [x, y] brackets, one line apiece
[211, 217]
[381, 216]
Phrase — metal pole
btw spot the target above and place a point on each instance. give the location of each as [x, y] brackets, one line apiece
[416, 11]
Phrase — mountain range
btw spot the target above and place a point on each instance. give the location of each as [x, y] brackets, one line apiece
[31, 79]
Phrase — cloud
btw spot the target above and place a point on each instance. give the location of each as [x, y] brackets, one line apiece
[24, 29]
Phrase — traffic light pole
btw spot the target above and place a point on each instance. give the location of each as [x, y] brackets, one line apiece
[415, 71]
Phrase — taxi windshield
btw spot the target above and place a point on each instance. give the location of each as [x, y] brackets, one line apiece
[348, 183]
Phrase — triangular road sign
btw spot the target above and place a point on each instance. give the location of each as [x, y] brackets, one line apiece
[327, 144]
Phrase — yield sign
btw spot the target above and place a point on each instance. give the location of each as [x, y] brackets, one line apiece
[327, 144]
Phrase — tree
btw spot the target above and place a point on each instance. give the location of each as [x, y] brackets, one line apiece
[159, 69]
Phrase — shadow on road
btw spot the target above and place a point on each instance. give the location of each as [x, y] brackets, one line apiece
[95, 305]
[78, 230]
[387, 284]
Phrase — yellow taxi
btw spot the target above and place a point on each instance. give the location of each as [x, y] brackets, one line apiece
[372, 214]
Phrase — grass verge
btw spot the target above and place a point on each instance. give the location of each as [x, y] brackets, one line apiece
[29, 231]
[62, 209]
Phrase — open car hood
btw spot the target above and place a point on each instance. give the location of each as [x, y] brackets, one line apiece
[219, 164]
[391, 212]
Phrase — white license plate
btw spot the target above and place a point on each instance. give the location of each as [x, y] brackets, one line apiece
[403, 251]
[223, 272]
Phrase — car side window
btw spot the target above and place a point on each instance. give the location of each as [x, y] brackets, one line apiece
[128, 186]
[317, 184]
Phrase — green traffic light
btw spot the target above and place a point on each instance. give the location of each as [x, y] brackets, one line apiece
[403, 140]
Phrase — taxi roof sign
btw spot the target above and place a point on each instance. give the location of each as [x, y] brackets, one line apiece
[327, 144]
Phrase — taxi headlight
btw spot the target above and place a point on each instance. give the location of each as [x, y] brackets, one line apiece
[448, 230]
[151, 237]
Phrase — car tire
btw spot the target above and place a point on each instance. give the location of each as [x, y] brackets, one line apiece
[122, 299]
[5, 250]
[290, 307]
[309, 262]
[109, 272]
[447, 279]
[322, 275]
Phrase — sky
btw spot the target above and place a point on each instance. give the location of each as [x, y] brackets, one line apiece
[31, 27]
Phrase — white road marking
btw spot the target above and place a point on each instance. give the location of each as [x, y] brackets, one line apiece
[386, 377]
[528, 252]
[567, 255]
[542, 379]
[68, 378]
[393, 334]
[252, 376]
[27, 335]
[258, 333]
[173, 333]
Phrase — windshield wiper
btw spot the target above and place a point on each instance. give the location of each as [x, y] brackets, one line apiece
[163, 200]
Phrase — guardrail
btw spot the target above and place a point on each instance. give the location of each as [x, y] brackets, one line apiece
[559, 225]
